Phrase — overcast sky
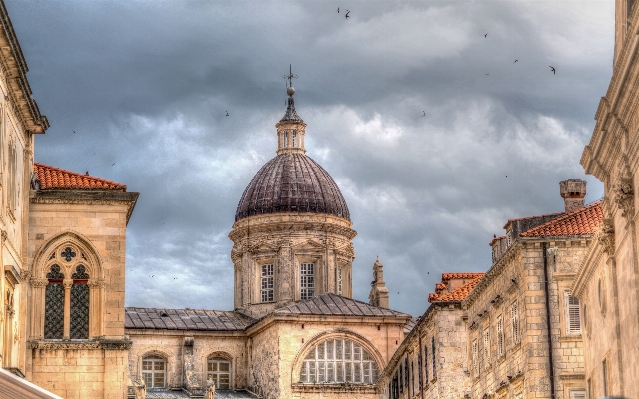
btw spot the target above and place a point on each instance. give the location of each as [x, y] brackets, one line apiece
[146, 86]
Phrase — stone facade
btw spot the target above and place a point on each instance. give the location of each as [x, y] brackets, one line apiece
[608, 281]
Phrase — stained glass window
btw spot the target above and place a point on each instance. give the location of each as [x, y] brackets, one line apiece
[54, 305]
[339, 360]
[154, 371]
[219, 373]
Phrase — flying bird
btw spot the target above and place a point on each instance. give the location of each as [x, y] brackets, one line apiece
[227, 113]
[424, 114]
[553, 70]
[347, 12]
[73, 131]
[515, 61]
[338, 10]
[113, 163]
[486, 35]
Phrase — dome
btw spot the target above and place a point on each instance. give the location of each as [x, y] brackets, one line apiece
[292, 182]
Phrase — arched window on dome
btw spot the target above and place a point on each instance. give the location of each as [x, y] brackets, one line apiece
[339, 360]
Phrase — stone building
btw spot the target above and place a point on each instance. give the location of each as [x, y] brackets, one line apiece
[295, 331]
[513, 332]
[608, 281]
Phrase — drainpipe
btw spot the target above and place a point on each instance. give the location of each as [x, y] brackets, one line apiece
[547, 292]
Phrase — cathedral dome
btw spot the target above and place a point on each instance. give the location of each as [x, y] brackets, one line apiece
[292, 182]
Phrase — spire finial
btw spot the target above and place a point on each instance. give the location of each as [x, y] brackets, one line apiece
[290, 90]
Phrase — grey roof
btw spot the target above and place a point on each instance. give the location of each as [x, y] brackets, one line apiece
[185, 319]
[332, 304]
[291, 114]
[168, 394]
[408, 327]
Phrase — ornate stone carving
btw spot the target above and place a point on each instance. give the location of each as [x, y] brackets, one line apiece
[107, 344]
[38, 282]
[67, 283]
[624, 196]
[606, 236]
[25, 275]
[95, 283]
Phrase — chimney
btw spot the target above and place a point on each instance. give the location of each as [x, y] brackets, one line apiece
[573, 192]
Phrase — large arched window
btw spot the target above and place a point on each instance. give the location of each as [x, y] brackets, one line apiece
[339, 360]
[58, 318]
[154, 371]
[219, 373]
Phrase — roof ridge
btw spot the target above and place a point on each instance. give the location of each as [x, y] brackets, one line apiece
[46, 183]
[560, 219]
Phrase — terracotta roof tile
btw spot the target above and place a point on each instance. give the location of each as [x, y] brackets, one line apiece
[452, 276]
[50, 178]
[582, 221]
[459, 293]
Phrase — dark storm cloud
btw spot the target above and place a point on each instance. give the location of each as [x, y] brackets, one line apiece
[146, 86]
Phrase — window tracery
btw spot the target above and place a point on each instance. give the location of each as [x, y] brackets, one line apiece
[339, 360]
[54, 304]
[79, 318]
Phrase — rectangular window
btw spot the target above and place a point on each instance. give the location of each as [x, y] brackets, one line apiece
[514, 316]
[500, 336]
[604, 369]
[573, 321]
[307, 281]
[434, 358]
[267, 283]
[419, 370]
[285, 138]
[294, 138]
[406, 373]
[401, 378]
[486, 348]
[474, 359]
[339, 280]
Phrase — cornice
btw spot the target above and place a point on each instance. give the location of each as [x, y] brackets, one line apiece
[18, 84]
[287, 222]
[85, 197]
[587, 268]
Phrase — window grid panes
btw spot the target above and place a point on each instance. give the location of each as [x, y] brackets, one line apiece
[474, 359]
[154, 371]
[515, 322]
[339, 361]
[487, 348]
[294, 138]
[307, 280]
[267, 283]
[219, 373]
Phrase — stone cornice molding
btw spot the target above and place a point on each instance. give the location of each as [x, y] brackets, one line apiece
[17, 83]
[593, 258]
[292, 221]
[86, 197]
[101, 343]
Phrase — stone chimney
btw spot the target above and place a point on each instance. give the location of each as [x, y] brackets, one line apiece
[573, 192]
[379, 292]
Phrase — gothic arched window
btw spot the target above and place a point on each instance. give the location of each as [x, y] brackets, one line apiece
[339, 360]
[54, 305]
[219, 373]
[79, 304]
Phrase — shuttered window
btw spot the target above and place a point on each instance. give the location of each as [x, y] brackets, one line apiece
[475, 363]
[500, 336]
[487, 348]
[573, 321]
[514, 318]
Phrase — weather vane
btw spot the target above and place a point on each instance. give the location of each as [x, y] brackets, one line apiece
[290, 76]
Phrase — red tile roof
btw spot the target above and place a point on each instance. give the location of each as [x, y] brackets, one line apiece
[453, 276]
[459, 293]
[51, 178]
[582, 221]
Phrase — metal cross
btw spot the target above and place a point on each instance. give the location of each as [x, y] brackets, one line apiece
[68, 254]
[290, 76]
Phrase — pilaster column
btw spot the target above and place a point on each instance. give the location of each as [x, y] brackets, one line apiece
[284, 284]
[38, 287]
[96, 310]
[67, 283]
